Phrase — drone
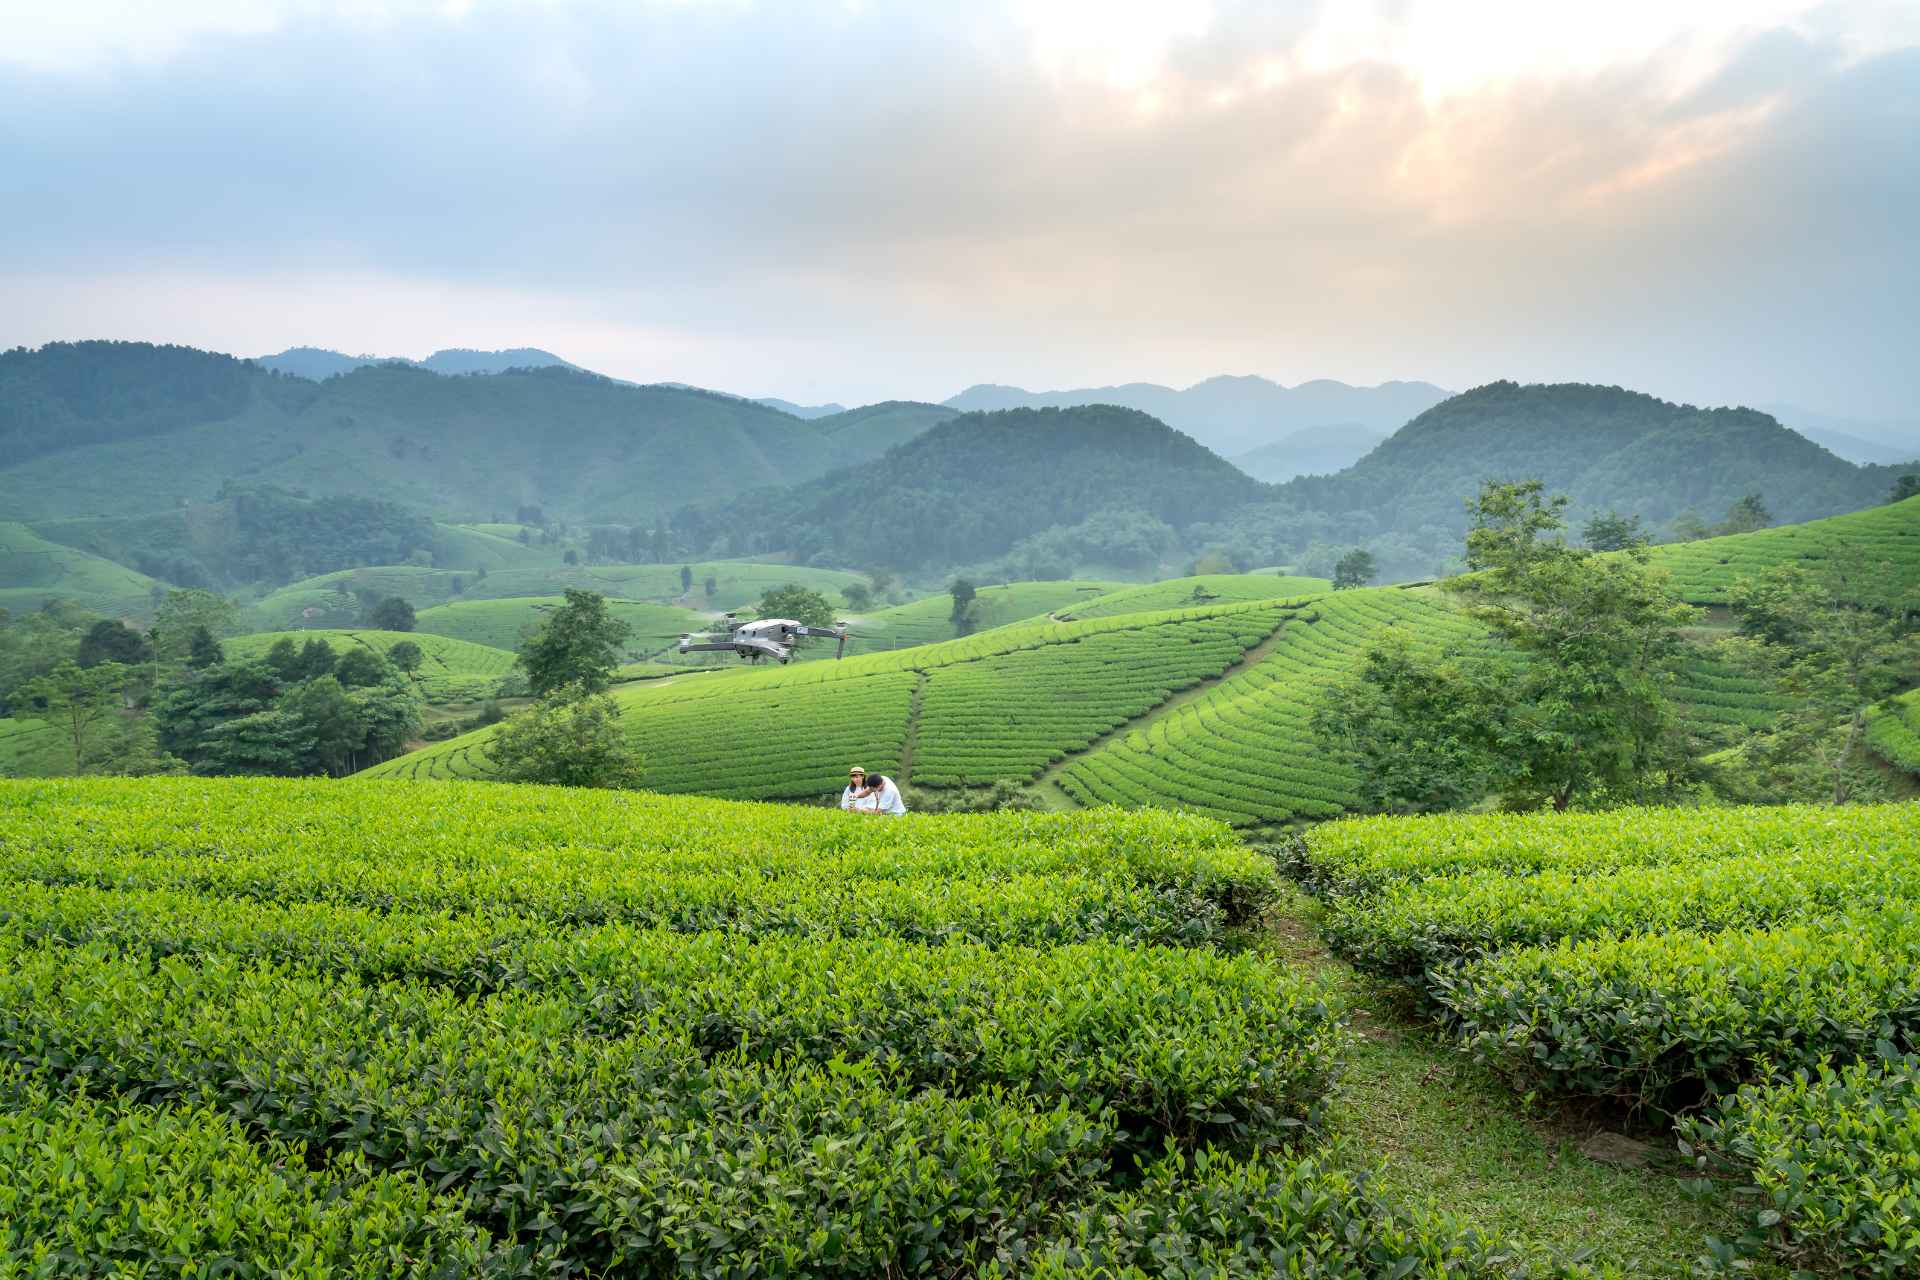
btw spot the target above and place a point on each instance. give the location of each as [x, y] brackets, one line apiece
[762, 638]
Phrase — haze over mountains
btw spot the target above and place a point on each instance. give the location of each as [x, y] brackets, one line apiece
[99, 440]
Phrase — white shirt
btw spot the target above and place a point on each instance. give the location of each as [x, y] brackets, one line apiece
[886, 800]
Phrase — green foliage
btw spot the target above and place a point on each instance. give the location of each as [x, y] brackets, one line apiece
[450, 670]
[1004, 795]
[1206, 588]
[78, 700]
[1893, 733]
[406, 657]
[791, 600]
[32, 644]
[1355, 569]
[391, 614]
[930, 619]
[1586, 709]
[1611, 531]
[1830, 1154]
[503, 624]
[245, 717]
[203, 650]
[1885, 539]
[571, 739]
[1836, 664]
[182, 613]
[576, 644]
[1903, 488]
[111, 640]
[962, 592]
[1412, 730]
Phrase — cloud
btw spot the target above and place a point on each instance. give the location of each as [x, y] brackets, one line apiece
[855, 200]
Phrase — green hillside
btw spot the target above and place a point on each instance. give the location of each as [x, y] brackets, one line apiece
[501, 624]
[930, 620]
[102, 429]
[1894, 734]
[737, 583]
[1209, 588]
[34, 570]
[1003, 703]
[1878, 549]
[451, 670]
[972, 487]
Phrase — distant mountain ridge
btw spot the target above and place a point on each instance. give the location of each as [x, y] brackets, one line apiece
[318, 364]
[1232, 414]
[1310, 451]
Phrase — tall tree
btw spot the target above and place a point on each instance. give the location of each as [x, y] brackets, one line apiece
[577, 644]
[791, 600]
[1595, 638]
[406, 657]
[686, 578]
[1905, 487]
[963, 592]
[78, 699]
[1613, 532]
[1746, 515]
[203, 650]
[111, 640]
[391, 614]
[182, 613]
[1354, 569]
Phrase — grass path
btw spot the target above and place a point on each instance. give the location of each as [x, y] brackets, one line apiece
[1453, 1137]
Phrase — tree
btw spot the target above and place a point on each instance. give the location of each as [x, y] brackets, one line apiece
[881, 581]
[571, 739]
[181, 614]
[33, 644]
[406, 657]
[1834, 663]
[963, 592]
[576, 644]
[358, 667]
[1413, 729]
[110, 640]
[1905, 487]
[686, 578]
[1584, 708]
[189, 718]
[79, 700]
[858, 595]
[571, 556]
[1354, 569]
[326, 725]
[316, 659]
[392, 614]
[790, 600]
[1613, 532]
[284, 658]
[1746, 515]
[203, 650]
[711, 586]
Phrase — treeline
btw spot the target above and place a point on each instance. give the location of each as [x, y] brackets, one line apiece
[68, 394]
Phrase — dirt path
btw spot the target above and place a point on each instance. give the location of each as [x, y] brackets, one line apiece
[912, 738]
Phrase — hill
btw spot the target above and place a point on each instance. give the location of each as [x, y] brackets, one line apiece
[34, 570]
[501, 624]
[450, 670]
[1605, 447]
[1231, 415]
[800, 410]
[930, 621]
[317, 364]
[971, 487]
[1208, 588]
[1878, 550]
[1310, 451]
[98, 429]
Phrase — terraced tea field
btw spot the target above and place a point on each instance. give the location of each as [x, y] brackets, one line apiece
[1208, 588]
[930, 620]
[1894, 735]
[1879, 548]
[1755, 973]
[1003, 703]
[450, 670]
[460, 1029]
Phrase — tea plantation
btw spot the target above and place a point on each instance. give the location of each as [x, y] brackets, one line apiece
[1753, 974]
[277, 1028]
[1877, 550]
[450, 670]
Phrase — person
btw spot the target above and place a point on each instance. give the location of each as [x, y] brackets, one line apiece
[871, 794]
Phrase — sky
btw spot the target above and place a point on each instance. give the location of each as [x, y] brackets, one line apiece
[1715, 202]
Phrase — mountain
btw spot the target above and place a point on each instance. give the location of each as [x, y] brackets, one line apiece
[1232, 415]
[1310, 451]
[1854, 439]
[100, 429]
[1605, 447]
[318, 364]
[801, 410]
[971, 487]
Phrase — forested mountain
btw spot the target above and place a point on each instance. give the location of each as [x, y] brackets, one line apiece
[972, 487]
[1606, 447]
[1232, 415]
[800, 410]
[317, 363]
[1310, 451]
[99, 429]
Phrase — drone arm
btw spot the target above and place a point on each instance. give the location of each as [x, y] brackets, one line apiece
[705, 647]
[839, 633]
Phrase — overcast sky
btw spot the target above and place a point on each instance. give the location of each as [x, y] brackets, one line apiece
[1712, 201]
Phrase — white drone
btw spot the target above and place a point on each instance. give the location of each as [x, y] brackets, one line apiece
[762, 638]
